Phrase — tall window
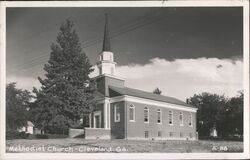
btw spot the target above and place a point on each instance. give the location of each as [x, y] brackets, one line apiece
[190, 120]
[146, 115]
[181, 118]
[117, 113]
[132, 113]
[171, 117]
[159, 116]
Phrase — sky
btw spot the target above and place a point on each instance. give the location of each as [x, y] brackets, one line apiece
[183, 51]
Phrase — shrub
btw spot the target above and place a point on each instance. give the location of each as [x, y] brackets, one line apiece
[54, 136]
[42, 136]
[11, 134]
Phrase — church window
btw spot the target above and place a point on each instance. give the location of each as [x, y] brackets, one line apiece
[117, 113]
[190, 120]
[132, 113]
[146, 115]
[171, 117]
[159, 116]
[181, 118]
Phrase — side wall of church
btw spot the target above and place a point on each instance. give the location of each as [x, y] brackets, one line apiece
[137, 129]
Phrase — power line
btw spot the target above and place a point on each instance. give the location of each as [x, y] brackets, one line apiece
[92, 42]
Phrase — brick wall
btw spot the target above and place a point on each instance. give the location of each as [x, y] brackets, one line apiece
[117, 128]
[104, 81]
[136, 130]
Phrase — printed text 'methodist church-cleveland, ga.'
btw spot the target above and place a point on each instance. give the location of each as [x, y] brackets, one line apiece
[127, 113]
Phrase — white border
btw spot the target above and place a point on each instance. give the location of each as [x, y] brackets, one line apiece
[244, 155]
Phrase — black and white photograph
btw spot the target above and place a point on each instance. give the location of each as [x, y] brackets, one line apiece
[99, 81]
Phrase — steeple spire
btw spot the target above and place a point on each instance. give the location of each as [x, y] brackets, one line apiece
[106, 40]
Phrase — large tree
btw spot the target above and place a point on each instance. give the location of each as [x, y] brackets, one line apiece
[210, 112]
[225, 114]
[17, 103]
[65, 95]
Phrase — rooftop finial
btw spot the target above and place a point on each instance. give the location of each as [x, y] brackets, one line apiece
[106, 40]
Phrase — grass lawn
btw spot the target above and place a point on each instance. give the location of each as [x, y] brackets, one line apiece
[79, 145]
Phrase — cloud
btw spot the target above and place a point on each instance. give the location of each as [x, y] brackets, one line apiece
[24, 82]
[182, 78]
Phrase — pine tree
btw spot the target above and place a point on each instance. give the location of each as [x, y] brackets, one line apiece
[65, 95]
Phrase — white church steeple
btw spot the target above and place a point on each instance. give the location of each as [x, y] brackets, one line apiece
[106, 64]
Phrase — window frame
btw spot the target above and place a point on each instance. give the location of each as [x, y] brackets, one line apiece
[131, 106]
[159, 111]
[172, 117]
[115, 113]
[181, 119]
[146, 108]
[190, 120]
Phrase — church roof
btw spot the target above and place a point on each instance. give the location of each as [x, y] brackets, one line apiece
[106, 40]
[148, 95]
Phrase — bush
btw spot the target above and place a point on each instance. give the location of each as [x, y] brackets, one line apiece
[42, 136]
[54, 136]
[12, 134]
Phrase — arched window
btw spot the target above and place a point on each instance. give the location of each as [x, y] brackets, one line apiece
[132, 113]
[159, 116]
[146, 115]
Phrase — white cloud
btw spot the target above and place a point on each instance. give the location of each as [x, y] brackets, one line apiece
[182, 78]
[24, 82]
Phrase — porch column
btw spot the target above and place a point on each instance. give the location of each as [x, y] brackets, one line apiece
[90, 120]
[106, 113]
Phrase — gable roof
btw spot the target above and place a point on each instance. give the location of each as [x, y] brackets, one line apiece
[148, 95]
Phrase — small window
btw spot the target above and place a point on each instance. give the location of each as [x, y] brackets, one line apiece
[132, 113]
[181, 118]
[171, 117]
[146, 133]
[190, 120]
[159, 134]
[117, 113]
[159, 116]
[146, 115]
[171, 134]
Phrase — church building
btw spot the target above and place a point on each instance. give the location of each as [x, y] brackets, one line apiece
[127, 113]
